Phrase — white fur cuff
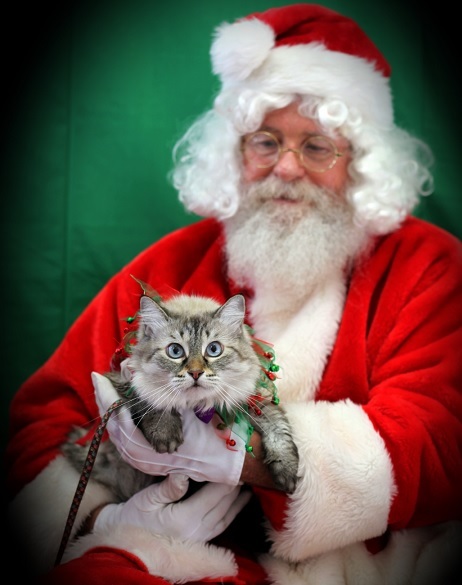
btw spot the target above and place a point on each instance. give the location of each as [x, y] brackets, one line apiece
[346, 485]
[175, 560]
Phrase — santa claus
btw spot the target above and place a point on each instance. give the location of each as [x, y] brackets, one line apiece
[306, 186]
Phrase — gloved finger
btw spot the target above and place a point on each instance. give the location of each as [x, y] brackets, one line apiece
[217, 524]
[105, 393]
[228, 507]
[171, 489]
[209, 496]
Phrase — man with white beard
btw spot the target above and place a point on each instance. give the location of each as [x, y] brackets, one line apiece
[307, 188]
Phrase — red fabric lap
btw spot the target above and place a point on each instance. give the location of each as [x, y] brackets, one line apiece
[118, 567]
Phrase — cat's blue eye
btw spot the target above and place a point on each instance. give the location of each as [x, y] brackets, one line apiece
[214, 349]
[175, 351]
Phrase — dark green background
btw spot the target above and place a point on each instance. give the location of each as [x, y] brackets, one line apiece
[94, 100]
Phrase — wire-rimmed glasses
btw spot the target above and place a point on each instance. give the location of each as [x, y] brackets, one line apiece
[317, 153]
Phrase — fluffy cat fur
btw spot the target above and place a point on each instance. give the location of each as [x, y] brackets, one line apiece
[191, 352]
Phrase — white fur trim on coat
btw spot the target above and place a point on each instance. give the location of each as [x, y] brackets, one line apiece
[302, 338]
[421, 556]
[346, 481]
[172, 559]
[346, 486]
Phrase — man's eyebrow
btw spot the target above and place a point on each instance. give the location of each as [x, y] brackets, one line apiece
[266, 128]
[277, 132]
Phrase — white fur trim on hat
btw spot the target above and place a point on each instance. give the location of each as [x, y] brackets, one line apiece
[244, 56]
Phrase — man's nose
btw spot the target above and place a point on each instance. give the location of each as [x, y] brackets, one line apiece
[289, 166]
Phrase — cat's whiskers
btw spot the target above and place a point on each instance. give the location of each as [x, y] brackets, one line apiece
[234, 398]
[151, 399]
[170, 396]
[237, 404]
[164, 396]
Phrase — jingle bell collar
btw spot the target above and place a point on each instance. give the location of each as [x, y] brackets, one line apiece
[303, 49]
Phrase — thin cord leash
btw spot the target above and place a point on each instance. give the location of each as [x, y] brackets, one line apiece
[265, 385]
[84, 477]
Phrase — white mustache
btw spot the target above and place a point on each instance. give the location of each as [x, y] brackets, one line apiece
[272, 187]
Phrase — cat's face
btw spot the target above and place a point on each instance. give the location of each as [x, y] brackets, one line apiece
[193, 353]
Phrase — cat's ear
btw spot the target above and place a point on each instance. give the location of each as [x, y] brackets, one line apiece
[232, 312]
[152, 316]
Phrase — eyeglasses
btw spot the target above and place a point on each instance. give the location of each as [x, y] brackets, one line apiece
[317, 153]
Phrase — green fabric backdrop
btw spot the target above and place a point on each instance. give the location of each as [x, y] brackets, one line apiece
[97, 97]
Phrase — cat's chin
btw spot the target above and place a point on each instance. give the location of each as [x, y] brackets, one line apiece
[198, 405]
[204, 405]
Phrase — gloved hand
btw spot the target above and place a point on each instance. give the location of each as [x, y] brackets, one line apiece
[203, 456]
[200, 517]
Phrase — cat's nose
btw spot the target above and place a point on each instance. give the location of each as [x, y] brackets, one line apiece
[195, 373]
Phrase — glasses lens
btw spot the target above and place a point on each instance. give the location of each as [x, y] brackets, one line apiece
[318, 153]
[262, 148]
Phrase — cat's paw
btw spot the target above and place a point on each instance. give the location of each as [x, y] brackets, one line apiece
[283, 466]
[166, 444]
[162, 429]
[284, 477]
[164, 438]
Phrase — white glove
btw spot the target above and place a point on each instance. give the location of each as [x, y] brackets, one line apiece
[200, 517]
[203, 456]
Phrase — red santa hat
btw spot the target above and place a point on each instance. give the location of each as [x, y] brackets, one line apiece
[304, 49]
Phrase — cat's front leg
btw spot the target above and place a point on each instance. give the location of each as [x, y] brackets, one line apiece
[162, 428]
[280, 451]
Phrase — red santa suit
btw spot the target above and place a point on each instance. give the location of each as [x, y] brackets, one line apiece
[372, 394]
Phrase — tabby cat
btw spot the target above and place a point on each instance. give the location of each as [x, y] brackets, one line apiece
[190, 352]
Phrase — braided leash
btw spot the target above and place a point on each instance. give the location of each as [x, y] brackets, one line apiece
[84, 477]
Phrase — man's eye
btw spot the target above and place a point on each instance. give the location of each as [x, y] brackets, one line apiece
[317, 148]
[266, 144]
[263, 143]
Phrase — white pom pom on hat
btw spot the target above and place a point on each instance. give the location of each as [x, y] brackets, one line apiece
[304, 49]
[240, 48]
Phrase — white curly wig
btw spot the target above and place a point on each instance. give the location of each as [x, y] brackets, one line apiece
[348, 94]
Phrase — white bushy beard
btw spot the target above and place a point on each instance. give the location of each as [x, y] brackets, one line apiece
[287, 249]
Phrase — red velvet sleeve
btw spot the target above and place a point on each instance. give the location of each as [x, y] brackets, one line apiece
[415, 361]
[399, 353]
